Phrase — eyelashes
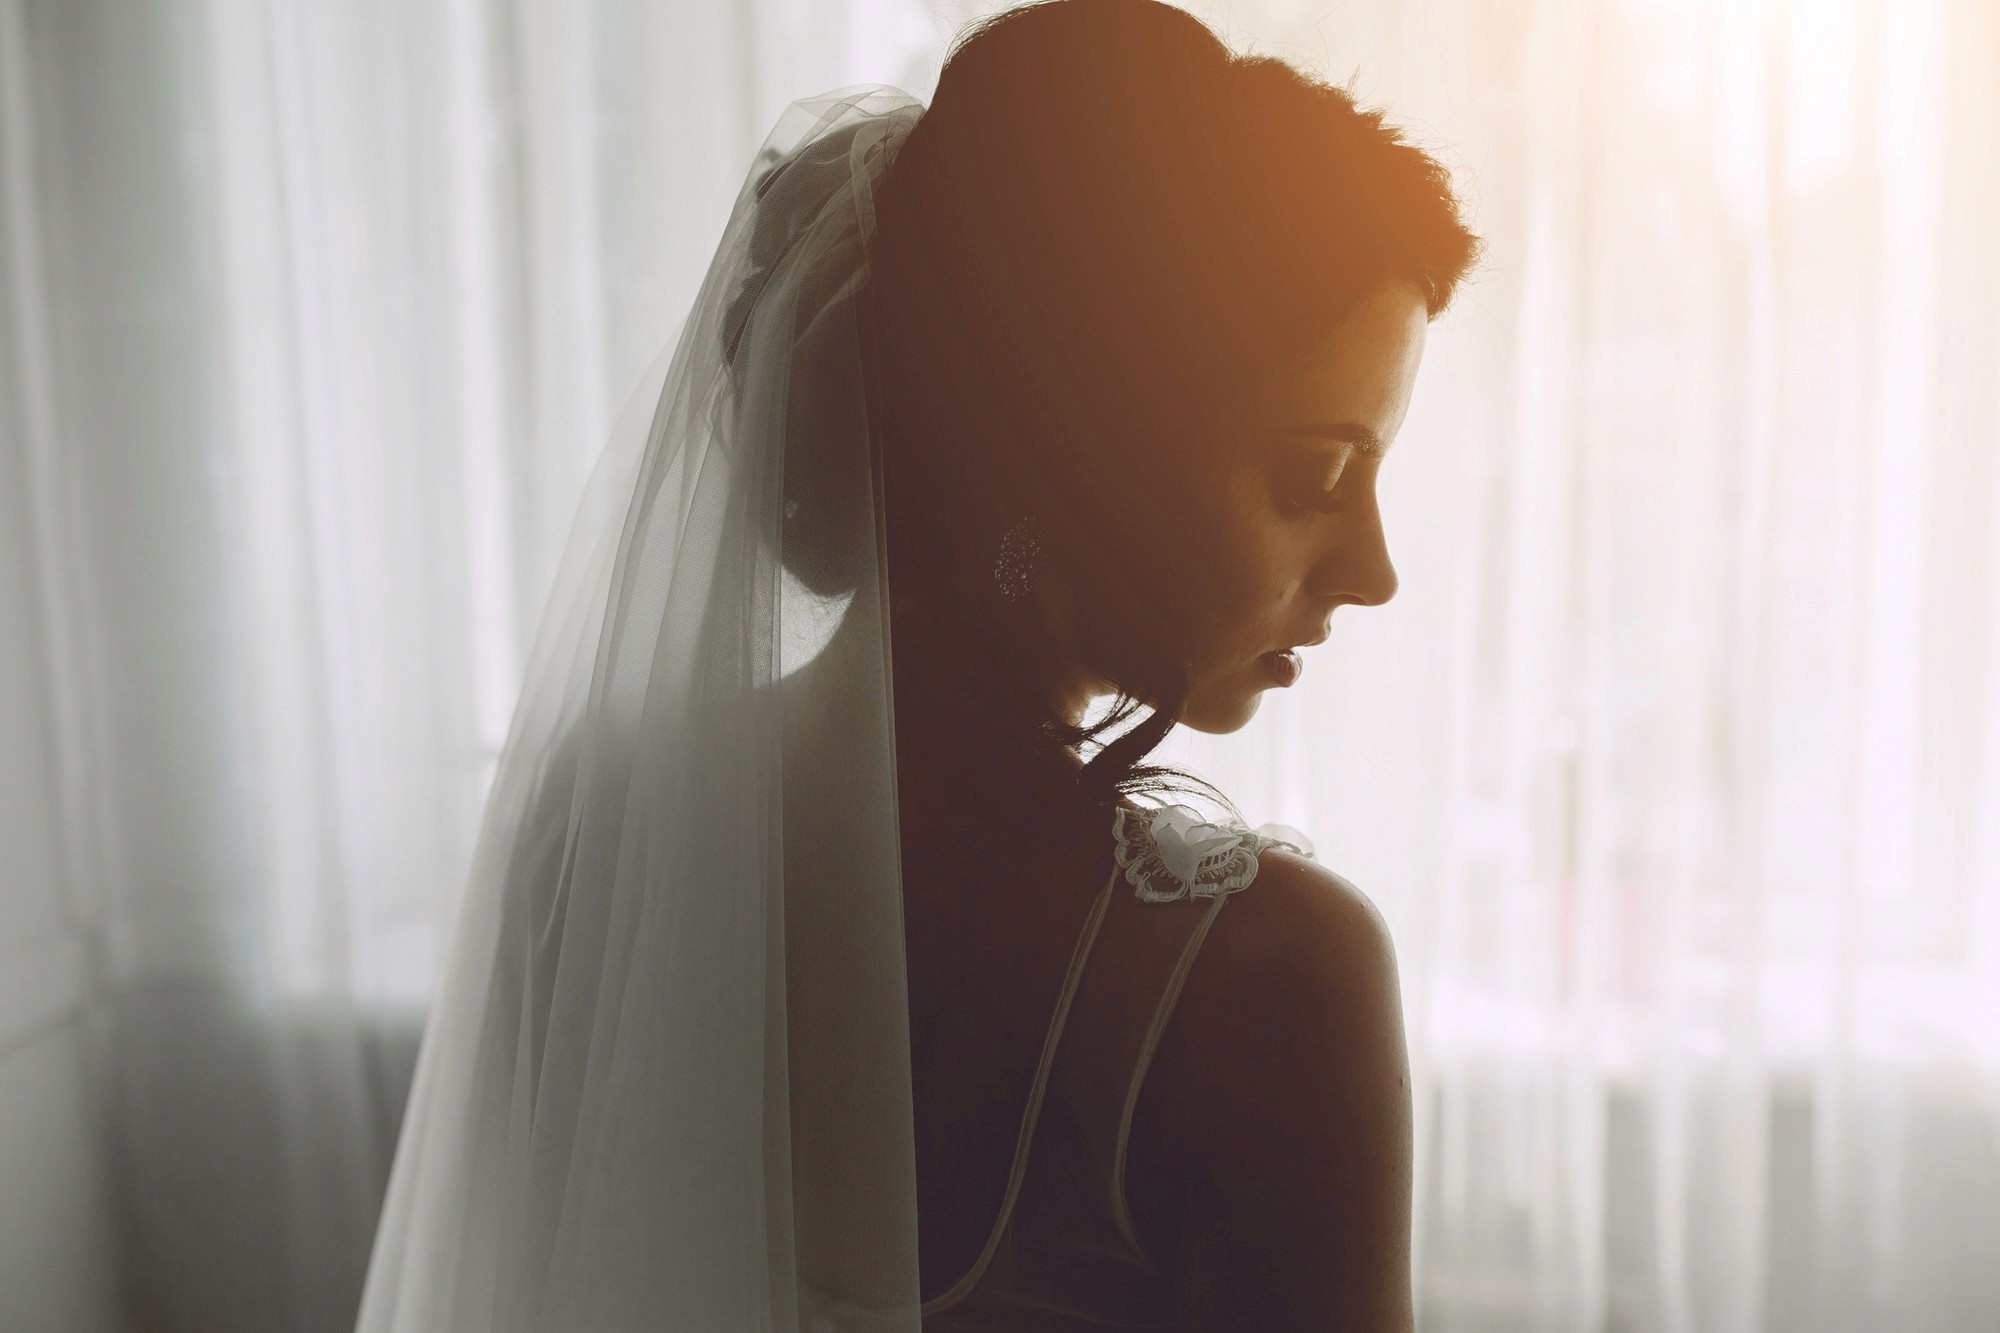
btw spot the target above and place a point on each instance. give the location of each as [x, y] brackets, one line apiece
[1315, 501]
[1297, 491]
[1296, 501]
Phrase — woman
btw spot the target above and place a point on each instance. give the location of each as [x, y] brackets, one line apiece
[825, 964]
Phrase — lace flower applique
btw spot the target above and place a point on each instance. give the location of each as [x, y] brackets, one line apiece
[1170, 852]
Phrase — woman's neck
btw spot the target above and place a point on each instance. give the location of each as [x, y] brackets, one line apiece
[973, 731]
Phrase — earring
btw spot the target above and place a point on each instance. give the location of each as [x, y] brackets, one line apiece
[1020, 554]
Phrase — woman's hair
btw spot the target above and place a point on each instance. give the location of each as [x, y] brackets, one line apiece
[1104, 226]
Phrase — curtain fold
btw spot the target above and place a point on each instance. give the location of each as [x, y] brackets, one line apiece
[1675, 764]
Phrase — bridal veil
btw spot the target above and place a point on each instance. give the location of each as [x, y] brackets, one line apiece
[665, 1080]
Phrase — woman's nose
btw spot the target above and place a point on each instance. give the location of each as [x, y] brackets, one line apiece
[1356, 566]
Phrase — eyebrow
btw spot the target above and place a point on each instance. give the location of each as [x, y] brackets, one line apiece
[1352, 432]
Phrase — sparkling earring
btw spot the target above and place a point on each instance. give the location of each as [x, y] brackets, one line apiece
[1020, 554]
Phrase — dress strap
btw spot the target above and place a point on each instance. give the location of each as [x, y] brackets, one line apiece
[1063, 1229]
[1032, 1112]
[1181, 870]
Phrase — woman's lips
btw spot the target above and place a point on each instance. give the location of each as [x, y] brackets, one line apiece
[1284, 667]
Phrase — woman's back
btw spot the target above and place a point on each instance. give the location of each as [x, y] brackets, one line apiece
[1035, 1014]
[987, 956]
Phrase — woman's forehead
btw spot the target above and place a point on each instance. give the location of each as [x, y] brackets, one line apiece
[1362, 373]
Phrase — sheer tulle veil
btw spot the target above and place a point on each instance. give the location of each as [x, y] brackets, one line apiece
[665, 1080]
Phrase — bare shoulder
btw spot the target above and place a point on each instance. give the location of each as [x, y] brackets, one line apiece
[1300, 924]
[1296, 983]
[1298, 972]
[1279, 1102]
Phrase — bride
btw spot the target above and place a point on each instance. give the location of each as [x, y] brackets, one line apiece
[831, 957]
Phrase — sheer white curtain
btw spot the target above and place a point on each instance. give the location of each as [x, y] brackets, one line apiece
[1675, 764]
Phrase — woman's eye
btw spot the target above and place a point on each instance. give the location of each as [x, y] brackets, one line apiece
[1300, 499]
[1313, 484]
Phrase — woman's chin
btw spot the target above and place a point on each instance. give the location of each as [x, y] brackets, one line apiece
[1217, 712]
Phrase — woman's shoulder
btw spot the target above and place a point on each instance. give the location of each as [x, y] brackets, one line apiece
[1291, 1007]
[1303, 953]
[1299, 971]
[1279, 1097]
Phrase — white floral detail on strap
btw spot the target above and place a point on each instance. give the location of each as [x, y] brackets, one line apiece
[1170, 852]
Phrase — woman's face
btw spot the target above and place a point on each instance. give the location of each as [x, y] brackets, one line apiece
[1297, 530]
